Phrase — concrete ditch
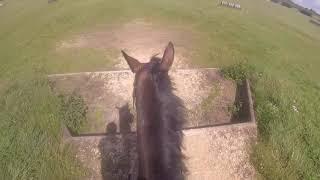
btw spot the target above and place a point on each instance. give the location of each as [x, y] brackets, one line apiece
[217, 141]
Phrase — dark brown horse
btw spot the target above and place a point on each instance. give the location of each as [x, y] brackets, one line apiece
[159, 119]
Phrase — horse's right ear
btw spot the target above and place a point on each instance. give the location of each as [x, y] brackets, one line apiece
[167, 58]
[132, 62]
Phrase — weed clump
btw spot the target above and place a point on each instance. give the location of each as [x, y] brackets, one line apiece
[73, 112]
[238, 72]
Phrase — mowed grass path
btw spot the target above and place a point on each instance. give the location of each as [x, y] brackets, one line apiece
[280, 43]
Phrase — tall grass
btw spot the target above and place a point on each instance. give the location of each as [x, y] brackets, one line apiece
[30, 137]
[288, 130]
[73, 112]
[287, 125]
[277, 41]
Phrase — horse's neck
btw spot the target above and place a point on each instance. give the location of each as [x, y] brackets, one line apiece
[160, 110]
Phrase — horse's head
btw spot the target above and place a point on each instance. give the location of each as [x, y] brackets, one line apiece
[155, 66]
[148, 75]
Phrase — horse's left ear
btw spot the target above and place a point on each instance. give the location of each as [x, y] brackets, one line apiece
[134, 64]
[167, 58]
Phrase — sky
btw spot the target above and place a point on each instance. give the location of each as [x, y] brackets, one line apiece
[313, 4]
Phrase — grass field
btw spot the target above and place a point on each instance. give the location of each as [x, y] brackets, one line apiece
[278, 42]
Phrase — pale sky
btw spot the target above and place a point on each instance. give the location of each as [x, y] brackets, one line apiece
[313, 4]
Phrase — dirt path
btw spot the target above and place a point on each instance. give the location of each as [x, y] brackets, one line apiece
[139, 39]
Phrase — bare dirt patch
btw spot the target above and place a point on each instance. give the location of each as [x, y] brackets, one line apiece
[139, 39]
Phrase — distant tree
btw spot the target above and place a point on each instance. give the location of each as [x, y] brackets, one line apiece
[286, 4]
[306, 12]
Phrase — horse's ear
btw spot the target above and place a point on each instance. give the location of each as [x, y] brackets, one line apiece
[132, 62]
[167, 58]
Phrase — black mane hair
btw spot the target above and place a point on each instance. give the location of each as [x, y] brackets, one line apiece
[171, 116]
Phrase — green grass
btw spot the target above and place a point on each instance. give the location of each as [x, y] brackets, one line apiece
[277, 41]
[73, 112]
[238, 72]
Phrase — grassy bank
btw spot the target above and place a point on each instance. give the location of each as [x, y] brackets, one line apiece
[283, 46]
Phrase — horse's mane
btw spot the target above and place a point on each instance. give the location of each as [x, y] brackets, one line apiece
[172, 116]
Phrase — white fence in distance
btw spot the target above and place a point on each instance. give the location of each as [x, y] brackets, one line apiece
[230, 4]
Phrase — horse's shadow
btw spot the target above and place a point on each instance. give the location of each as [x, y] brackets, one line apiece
[118, 149]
